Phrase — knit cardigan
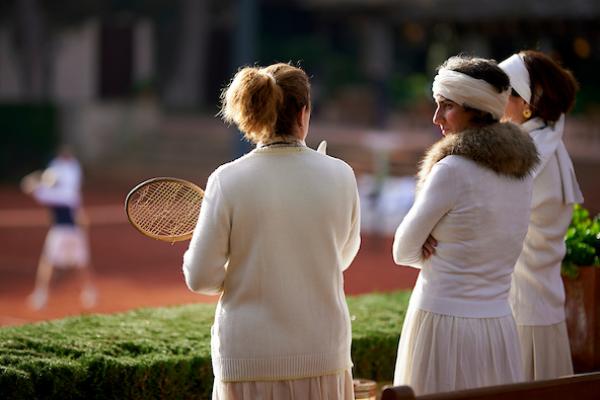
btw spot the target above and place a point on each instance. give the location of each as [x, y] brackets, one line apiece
[276, 230]
[473, 198]
[537, 294]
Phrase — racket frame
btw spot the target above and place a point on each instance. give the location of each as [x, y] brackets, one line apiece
[169, 239]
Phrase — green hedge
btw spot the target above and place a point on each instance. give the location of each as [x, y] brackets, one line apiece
[161, 352]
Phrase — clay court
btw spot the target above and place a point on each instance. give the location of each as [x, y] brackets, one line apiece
[134, 271]
[130, 270]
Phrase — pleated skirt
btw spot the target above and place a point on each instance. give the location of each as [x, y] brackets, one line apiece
[546, 351]
[66, 247]
[327, 387]
[441, 353]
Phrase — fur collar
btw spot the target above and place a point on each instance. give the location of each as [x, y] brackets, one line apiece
[502, 147]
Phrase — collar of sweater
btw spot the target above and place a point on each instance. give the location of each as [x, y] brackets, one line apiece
[502, 147]
[278, 149]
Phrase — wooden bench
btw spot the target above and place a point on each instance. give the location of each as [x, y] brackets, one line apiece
[576, 387]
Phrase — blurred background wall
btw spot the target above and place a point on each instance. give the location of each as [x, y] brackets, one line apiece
[134, 85]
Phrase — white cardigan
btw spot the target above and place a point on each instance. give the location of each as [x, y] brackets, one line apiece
[537, 295]
[276, 229]
[479, 219]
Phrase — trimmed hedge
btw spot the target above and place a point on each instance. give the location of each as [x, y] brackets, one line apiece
[160, 352]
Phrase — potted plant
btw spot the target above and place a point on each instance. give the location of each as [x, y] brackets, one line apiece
[581, 277]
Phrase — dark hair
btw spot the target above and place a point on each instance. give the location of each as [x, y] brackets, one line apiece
[553, 87]
[480, 117]
[264, 102]
[479, 68]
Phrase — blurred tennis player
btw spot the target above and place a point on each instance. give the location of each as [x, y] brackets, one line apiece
[66, 245]
[276, 229]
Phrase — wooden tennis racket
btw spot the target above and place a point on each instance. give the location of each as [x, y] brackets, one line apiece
[164, 208]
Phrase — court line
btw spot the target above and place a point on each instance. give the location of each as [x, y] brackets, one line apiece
[38, 217]
[6, 320]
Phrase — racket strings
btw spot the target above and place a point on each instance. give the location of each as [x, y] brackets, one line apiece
[166, 208]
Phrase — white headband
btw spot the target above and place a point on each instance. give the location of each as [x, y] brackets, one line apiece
[468, 91]
[515, 68]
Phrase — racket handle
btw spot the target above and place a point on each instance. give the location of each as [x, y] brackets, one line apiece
[322, 147]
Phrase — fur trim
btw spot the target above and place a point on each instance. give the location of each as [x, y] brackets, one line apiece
[502, 147]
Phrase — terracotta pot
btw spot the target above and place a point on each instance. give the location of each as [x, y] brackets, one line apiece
[583, 318]
[365, 389]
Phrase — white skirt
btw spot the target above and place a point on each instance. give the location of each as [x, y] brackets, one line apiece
[546, 351]
[66, 247]
[441, 353]
[327, 387]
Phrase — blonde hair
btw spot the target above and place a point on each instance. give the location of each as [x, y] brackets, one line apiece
[264, 102]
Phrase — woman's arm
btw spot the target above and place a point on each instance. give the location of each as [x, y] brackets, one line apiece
[205, 260]
[353, 243]
[82, 218]
[57, 195]
[438, 195]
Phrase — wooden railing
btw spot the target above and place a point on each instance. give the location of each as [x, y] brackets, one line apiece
[575, 387]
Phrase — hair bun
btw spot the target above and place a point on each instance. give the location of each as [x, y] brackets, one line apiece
[264, 102]
[252, 101]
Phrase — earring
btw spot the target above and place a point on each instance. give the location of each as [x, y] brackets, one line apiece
[527, 113]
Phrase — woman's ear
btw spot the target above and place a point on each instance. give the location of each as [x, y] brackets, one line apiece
[301, 118]
[302, 121]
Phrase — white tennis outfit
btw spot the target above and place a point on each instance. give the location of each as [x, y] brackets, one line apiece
[537, 296]
[66, 244]
[459, 331]
[276, 230]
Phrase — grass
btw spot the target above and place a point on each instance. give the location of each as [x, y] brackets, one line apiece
[160, 352]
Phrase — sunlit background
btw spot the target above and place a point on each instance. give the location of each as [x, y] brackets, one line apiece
[133, 86]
